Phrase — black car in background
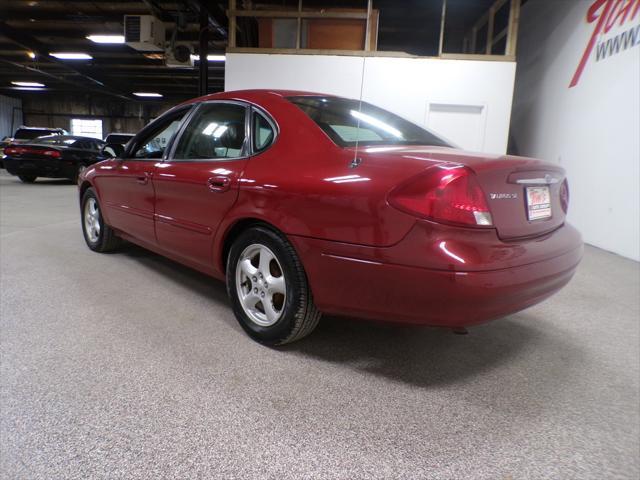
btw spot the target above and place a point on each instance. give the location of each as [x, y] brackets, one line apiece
[26, 134]
[54, 156]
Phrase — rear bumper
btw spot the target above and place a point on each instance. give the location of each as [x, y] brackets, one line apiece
[42, 168]
[460, 293]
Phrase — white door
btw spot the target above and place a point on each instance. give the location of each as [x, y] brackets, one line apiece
[464, 125]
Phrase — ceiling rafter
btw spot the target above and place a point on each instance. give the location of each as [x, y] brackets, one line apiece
[40, 49]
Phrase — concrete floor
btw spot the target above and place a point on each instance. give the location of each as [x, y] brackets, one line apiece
[127, 365]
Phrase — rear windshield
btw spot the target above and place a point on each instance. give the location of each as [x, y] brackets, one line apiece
[31, 133]
[351, 122]
[55, 140]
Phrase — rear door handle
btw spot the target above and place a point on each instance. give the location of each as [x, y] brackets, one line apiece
[219, 183]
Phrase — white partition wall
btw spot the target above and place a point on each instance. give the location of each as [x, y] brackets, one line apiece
[10, 115]
[468, 102]
[585, 115]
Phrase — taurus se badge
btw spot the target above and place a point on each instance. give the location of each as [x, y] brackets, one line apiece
[501, 196]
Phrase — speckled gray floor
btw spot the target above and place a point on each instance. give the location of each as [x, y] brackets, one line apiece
[127, 365]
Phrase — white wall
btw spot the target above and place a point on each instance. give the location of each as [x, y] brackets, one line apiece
[10, 115]
[592, 128]
[468, 102]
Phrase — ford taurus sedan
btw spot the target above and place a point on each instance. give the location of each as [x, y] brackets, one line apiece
[307, 204]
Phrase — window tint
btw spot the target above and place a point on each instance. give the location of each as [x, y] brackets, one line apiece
[263, 133]
[154, 145]
[217, 130]
[350, 122]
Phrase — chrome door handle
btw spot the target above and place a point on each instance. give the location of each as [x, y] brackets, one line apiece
[219, 183]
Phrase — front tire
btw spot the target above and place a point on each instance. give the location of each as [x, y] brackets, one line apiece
[268, 288]
[27, 178]
[99, 236]
[79, 172]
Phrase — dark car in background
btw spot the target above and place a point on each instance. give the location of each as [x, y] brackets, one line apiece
[53, 156]
[26, 134]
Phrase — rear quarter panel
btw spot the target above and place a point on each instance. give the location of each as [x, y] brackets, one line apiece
[303, 184]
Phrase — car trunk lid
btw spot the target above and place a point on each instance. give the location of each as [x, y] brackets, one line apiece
[33, 152]
[524, 200]
[523, 194]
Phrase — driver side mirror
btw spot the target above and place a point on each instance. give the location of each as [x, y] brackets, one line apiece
[112, 150]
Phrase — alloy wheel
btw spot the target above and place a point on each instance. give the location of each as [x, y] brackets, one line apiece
[261, 285]
[92, 220]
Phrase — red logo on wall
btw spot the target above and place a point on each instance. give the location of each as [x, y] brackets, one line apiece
[605, 14]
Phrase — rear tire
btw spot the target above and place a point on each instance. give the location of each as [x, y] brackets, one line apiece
[27, 178]
[268, 288]
[99, 236]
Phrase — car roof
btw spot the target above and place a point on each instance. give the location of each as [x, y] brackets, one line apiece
[50, 129]
[255, 94]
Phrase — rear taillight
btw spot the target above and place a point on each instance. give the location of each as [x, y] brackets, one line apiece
[23, 150]
[12, 151]
[444, 194]
[52, 153]
[564, 195]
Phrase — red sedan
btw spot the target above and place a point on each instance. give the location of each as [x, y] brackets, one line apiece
[307, 203]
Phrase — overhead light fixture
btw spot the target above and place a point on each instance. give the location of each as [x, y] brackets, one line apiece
[31, 89]
[28, 84]
[147, 94]
[210, 58]
[31, 55]
[71, 56]
[106, 38]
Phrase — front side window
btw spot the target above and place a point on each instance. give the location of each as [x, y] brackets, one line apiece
[217, 130]
[155, 144]
[263, 133]
[350, 122]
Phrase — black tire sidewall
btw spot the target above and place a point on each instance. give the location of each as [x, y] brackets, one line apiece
[295, 285]
[97, 245]
[27, 178]
[79, 170]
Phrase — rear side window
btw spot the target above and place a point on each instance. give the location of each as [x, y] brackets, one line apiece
[263, 132]
[217, 130]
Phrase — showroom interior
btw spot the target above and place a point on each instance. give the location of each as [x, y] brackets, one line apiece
[443, 197]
